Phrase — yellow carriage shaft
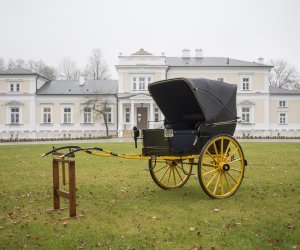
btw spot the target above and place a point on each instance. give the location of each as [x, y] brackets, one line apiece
[106, 153]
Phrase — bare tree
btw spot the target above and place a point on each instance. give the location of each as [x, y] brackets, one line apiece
[11, 64]
[284, 75]
[69, 69]
[96, 67]
[38, 67]
[2, 64]
[42, 69]
[99, 104]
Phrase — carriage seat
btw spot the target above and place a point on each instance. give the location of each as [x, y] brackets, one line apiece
[187, 122]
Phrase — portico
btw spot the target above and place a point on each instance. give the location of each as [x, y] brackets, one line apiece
[137, 110]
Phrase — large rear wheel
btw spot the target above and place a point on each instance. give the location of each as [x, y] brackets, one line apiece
[221, 166]
[170, 174]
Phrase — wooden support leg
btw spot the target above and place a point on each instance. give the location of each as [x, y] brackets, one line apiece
[72, 189]
[56, 202]
[64, 173]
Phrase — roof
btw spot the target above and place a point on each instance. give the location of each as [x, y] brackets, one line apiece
[141, 52]
[205, 100]
[275, 90]
[211, 62]
[72, 87]
[17, 71]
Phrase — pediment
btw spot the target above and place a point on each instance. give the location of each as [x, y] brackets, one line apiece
[140, 97]
[246, 102]
[14, 103]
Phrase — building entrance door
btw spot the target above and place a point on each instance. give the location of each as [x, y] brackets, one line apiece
[142, 117]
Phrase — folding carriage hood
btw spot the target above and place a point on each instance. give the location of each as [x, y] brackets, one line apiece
[188, 102]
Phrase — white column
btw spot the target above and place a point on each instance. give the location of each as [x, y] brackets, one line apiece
[121, 125]
[132, 114]
[151, 115]
[266, 115]
[32, 120]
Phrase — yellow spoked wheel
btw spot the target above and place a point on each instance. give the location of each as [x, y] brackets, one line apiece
[221, 166]
[170, 174]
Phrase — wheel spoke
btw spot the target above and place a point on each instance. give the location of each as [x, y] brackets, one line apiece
[209, 164]
[207, 152]
[174, 176]
[222, 141]
[231, 177]
[216, 151]
[222, 184]
[227, 181]
[231, 154]
[169, 176]
[178, 173]
[209, 172]
[237, 170]
[234, 161]
[228, 146]
[164, 174]
[210, 181]
[160, 168]
[217, 182]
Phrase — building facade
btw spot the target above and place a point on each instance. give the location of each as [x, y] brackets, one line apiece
[34, 107]
[264, 110]
[31, 106]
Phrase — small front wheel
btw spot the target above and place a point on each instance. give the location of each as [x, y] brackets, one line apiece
[170, 174]
[221, 166]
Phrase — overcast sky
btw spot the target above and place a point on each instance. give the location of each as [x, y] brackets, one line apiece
[240, 29]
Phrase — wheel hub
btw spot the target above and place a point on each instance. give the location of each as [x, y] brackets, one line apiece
[226, 167]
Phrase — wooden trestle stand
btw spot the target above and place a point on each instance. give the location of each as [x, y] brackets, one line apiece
[57, 193]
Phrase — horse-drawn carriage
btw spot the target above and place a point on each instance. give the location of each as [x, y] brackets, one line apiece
[200, 120]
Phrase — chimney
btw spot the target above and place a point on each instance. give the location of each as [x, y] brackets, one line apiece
[186, 53]
[81, 81]
[198, 53]
[260, 60]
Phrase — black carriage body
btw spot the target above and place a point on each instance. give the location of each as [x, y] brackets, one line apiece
[194, 110]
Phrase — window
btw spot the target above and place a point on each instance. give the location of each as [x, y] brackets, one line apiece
[127, 114]
[141, 82]
[87, 115]
[67, 115]
[108, 115]
[156, 115]
[47, 115]
[221, 79]
[245, 115]
[282, 118]
[14, 87]
[282, 104]
[134, 83]
[246, 83]
[14, 115]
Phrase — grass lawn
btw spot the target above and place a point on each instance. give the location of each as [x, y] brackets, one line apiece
[126, 210]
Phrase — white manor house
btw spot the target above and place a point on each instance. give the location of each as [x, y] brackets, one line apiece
[34, 107]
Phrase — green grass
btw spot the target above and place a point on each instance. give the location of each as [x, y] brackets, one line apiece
[125, 209]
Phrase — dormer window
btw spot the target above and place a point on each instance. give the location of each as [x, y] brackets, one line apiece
[282, 104]
[14, 87]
